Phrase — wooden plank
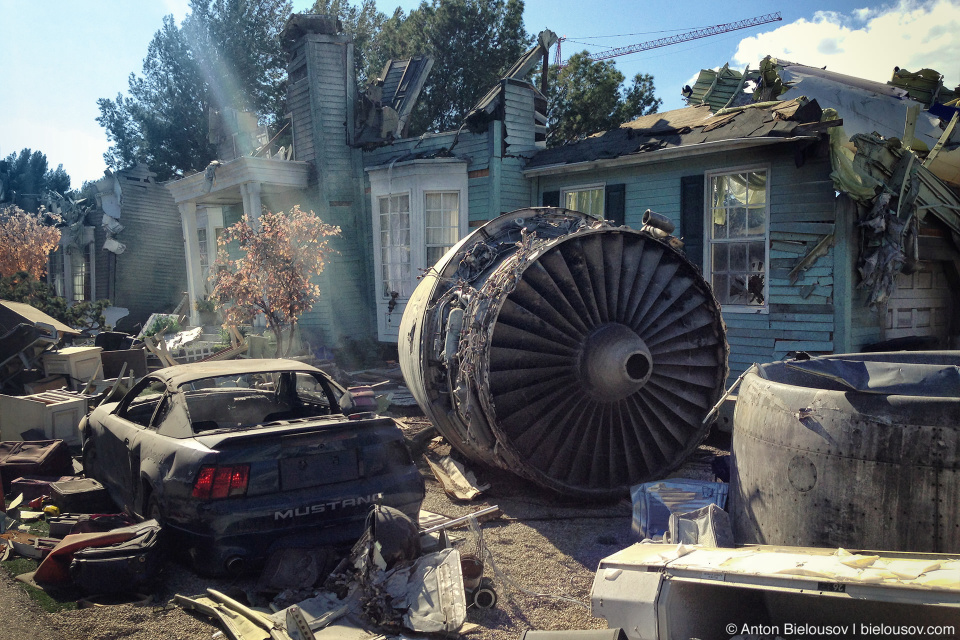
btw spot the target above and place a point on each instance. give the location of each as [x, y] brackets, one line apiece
[755, 338]
[814, 228]
[794, 333]
[761, 321]
[752, 350]
[798, 300]
[803, 345]
[804, 326]
[797, 237]
[800, 307]
[799, 249]
[807, 213]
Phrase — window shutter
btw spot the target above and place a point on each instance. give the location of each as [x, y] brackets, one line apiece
[551, 198]
[614, 204]
[691, 217]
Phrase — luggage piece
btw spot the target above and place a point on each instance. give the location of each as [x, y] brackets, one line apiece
[34, 458]
[124, 567]
[81, 496]
[69, 523]
[34, 486]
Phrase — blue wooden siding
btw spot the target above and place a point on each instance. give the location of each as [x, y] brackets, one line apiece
[802, 315]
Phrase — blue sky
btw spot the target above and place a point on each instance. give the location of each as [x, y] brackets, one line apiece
[57, 57]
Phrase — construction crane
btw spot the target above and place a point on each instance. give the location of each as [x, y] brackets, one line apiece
[682, 37]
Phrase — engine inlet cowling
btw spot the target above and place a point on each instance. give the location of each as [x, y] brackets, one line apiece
[576, 354]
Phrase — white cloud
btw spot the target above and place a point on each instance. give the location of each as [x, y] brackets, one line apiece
[868, 43]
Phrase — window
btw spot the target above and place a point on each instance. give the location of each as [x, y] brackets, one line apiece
[588, 200]
[737, 223]
[55, 271]
[395, 245]
[80, 276]
[419, 210]
[202, 241]
[442, 220]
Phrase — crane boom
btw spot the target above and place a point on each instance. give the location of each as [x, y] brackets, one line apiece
[690, 35]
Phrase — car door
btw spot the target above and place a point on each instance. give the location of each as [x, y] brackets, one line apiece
[119, 445]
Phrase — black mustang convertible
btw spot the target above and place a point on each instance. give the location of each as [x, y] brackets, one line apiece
[239, 458]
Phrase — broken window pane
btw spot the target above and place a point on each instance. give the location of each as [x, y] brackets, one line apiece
[588, 201]
[739, 223]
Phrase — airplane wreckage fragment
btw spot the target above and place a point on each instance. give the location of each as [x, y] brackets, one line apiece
[579, 355]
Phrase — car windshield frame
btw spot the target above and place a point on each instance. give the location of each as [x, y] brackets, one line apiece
[239, 401]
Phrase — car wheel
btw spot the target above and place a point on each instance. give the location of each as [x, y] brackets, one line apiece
[153, 511]
[89, 459]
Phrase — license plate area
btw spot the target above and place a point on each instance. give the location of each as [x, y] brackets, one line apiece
[319, 469]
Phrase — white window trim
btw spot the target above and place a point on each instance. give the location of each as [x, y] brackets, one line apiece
[585, 187]
[460, 217]
[708, 239]
[378, 253]
[415, 178]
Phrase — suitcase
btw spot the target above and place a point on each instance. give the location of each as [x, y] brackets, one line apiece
[33, 458]
[126, 567]
[69, 523]
[32, 487]
[81, 496]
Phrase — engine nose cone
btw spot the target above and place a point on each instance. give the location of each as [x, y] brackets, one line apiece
[615, 362]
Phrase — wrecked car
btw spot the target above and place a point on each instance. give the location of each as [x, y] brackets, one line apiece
[240, 458]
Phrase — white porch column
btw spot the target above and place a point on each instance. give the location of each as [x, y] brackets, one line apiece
[191, 246]
[252, 206]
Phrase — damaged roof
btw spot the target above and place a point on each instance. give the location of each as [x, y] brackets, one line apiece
[689, 129]
[721, 89]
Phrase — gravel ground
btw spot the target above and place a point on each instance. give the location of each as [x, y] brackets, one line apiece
[547, 547]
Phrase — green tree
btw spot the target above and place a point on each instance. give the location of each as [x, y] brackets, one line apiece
[236, 44]
[473, 43]
[24, 287]
[364, 23]
[25, 178]
[226, 53]
[588, 96]
[163, 120]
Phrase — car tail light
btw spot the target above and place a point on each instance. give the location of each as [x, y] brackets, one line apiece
[221, 481]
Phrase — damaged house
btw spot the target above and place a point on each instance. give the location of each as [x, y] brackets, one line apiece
[125, 247]
[811, 243]
[753, 190]
[400, 202]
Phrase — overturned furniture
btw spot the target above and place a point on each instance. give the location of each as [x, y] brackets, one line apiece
[674, 592]
[850, 450]
[579, 355]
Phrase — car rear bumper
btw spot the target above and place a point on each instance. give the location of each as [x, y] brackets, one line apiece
[227, 535]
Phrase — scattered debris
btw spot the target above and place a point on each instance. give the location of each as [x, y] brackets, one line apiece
[708, 526]
[458, 481]
[669, 591]
[655, 502]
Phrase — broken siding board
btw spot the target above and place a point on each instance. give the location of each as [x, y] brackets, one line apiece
[737, 320]
[776, 235]
[751, 342]
[794, 333]
[801, 213]
[812, 228]
[754, 353]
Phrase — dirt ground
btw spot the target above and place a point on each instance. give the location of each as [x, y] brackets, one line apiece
[546, 550]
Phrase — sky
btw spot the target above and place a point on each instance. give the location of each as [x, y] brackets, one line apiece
[57, 57]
